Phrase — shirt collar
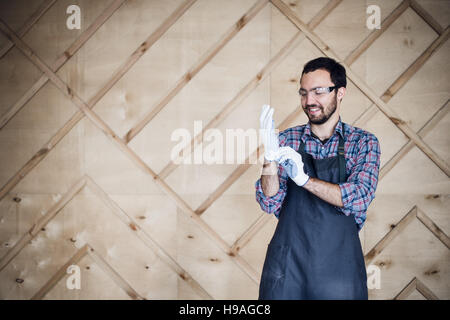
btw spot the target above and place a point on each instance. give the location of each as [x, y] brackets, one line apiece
[338, 129]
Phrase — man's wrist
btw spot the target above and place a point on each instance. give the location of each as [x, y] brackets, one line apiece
[269, 168]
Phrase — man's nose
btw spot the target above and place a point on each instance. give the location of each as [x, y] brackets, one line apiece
[310, 99]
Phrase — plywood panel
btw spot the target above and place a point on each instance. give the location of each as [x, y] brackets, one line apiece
[136, 235]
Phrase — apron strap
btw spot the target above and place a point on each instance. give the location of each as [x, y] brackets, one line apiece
[341, 156]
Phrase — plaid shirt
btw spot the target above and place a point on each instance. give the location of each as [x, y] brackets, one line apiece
[362, 155]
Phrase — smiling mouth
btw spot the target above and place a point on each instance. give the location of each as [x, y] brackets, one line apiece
[313, 110]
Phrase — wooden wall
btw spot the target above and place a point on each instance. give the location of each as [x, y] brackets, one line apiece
[86, 118]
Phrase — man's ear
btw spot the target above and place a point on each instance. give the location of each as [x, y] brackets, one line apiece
[341, 93]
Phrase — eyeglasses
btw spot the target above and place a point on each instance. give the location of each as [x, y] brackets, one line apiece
[319, 91]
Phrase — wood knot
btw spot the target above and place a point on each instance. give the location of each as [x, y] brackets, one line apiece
[397, 121]
[241, 23]
[144, 47]
[214, 260]
[183, 276]
[431, 272]
[190, 236]
[18, 280]
[392, 226]
[133, 226]
[188, 76]
[259, 76]
[67, 54]
[17, 199]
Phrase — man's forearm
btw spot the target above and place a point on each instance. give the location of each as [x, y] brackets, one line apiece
[326, 191]
[270, 183]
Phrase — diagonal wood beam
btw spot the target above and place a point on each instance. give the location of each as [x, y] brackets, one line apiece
[388, 237]
[230, 106]
[426, 16]
[49, 145]
[125, 218]
[368, 92]
[438, 232]
[85, 36]
[195, 69]
[43, 8]
[50, 284]
[404, 77]
[113, 274]
[244, 92]
[427, 127]
[407, 290]
[41, 223]
[147, 239]
[425, 291]
[393, 89]
[110, 134]
[374, 35]
[415, 284]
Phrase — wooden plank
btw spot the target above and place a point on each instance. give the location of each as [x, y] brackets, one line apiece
[384, 242]
[100, 124]
[417, 64]
[43, 8]
[68, 126]
[426, 16]
[368, 92]
[266, 70]
[113, 274]
[427, 127]
[438, 232]
[240, 96]
[82, 252]
[195, 69]
[63, 58]
[41, 223]
[251, 231]
[147, 239]
[407, 290]
[374, 35]
[139, 52]
[323, 13]
[425, 291]
[240, 170]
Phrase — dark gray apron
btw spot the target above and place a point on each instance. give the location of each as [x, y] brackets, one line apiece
[315, 252]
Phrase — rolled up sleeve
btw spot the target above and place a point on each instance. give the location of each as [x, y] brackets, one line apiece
[272, 204]
[359, 189]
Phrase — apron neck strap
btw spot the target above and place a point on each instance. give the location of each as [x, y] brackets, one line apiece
[341, 156]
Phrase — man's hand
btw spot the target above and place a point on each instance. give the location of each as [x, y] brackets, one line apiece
[268, 136]
[293, 164]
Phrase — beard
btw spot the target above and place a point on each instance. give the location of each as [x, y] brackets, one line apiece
[323, 116]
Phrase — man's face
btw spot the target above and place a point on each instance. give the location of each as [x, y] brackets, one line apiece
[318, 107]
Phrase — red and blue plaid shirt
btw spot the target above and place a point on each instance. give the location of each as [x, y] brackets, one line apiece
[362, 155]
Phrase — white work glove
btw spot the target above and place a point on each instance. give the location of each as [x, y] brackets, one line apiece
[292, 162]
[268, 135]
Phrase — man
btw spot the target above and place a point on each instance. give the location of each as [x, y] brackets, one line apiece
[318, 179]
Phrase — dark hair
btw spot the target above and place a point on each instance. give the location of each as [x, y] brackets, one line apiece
[336, 70]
